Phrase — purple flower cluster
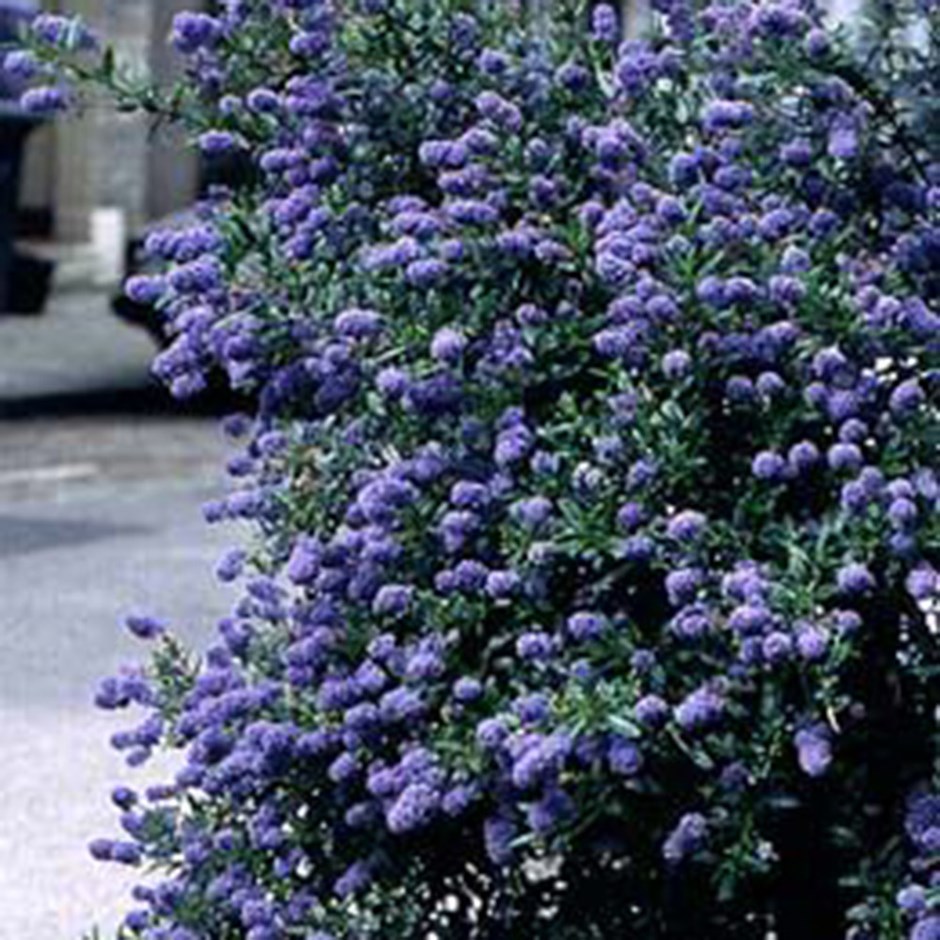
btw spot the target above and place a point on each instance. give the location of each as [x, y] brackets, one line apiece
[47, 37]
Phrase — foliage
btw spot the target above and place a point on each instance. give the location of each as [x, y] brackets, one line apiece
[593, 589]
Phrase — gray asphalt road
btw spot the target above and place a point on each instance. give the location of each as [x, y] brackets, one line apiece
[98, 518]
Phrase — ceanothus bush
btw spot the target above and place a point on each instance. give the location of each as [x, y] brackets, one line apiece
[593, 589]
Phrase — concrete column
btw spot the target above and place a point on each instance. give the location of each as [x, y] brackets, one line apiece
[121, 141]
[172, 167]
[102, 169]
[73, 176]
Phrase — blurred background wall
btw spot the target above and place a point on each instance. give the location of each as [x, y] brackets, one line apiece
[93, 181]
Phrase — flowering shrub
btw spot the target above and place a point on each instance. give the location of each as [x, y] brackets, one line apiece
[594, 476]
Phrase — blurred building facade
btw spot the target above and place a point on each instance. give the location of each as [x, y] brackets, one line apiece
[98, 178]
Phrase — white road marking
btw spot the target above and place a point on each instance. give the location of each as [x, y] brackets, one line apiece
[60, 473]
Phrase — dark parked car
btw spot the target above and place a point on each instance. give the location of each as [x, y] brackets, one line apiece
[24, 281]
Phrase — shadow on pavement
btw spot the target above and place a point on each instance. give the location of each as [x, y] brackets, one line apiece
[145, 400]
[22, 535]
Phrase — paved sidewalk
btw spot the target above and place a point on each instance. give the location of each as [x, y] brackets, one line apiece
[71, 565]
[99, 516]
